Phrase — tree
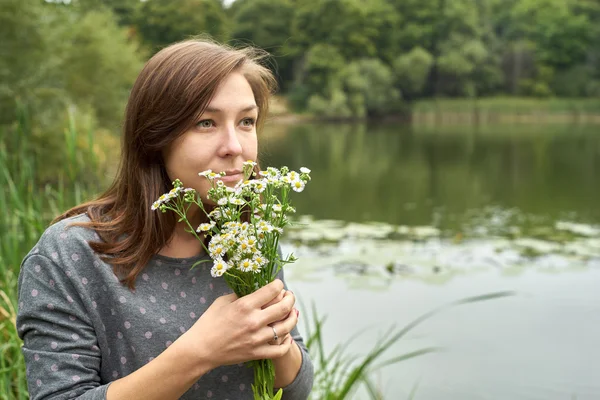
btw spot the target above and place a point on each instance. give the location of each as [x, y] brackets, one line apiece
[412, 70]
[160, 23]
[457, 35]
[369, 84]
[124, 10]
[561, 35]
[356, 28]
[100, 66]
[266, 24]
[363, 88]
[25, 51]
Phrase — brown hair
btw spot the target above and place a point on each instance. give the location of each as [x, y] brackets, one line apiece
[170, 93]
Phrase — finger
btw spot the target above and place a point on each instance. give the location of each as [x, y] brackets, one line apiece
[287, 325]
[267, 335]
[278, 311]
[268, 351]
[286, 338]
[275, 300]
[265, 294]
[280, 341]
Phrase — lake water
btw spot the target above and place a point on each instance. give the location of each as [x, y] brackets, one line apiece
[399, 221]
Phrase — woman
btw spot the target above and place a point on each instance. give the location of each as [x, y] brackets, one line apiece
[109, 306]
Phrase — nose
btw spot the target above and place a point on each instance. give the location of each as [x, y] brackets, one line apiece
[231, 145]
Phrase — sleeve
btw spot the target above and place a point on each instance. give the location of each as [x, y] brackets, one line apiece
[60, 344]
[300, 387]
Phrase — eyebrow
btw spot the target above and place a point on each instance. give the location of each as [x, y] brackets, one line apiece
[218, 110]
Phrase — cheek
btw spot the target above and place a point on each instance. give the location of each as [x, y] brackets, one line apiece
[185, 161]
[250, 148]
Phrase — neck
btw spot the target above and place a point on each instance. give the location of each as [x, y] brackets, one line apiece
[182, 243]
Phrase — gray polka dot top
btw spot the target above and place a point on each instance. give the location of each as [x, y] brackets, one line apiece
[82, 328]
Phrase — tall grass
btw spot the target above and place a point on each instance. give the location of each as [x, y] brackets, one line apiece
[27, 205]
[338, 374]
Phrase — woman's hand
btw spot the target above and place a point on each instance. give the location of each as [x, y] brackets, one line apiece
[234, 330]
[282, 327]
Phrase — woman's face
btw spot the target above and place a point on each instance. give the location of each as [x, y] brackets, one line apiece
[222, 139]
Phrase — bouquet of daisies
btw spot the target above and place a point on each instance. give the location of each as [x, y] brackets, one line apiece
[244, 230]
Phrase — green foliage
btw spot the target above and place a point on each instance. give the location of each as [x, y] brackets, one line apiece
[412, 70]
[85, 52]
[362, 88]
[357, 29]
[369, 84]
[32, 206]
[160, 23]
[333, 106]
[101, 67]
[57, 57]
[322, 63]
[561, 34]
[266, 24]
[26, 52]
[124, 10]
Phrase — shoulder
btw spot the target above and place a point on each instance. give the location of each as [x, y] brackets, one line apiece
[64, 242]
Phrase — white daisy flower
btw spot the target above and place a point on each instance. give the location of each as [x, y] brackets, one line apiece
[217, 252]
[222, 201]
[259, 186]
[206, 226]
[205, 173]
[304, 170]
[255, 268]
[273, 172]
[265, 227]
[215, 214]
[155, 205]
[293, 175]
[260, 259]
[249, 163]
[251, 240]
[245, 227]
[246, 265]
[237, 201]
[298, 185]
[219, 268]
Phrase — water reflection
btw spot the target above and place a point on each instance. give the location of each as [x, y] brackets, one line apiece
[397, 175]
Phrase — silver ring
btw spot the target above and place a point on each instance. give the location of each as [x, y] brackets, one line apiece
[275, 337]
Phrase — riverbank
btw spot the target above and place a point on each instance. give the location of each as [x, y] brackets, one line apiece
[493, 110]
[502, 110]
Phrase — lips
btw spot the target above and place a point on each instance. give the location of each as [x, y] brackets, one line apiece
[232, 176]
